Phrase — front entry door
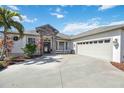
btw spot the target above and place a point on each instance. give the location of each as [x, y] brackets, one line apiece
[46, 47]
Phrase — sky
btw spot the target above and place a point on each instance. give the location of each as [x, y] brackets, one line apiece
[68, 19]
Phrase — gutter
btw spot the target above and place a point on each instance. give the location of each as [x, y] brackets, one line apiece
[72, 38]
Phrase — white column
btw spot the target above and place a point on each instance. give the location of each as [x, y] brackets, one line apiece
[51, 43]
[57, 45]
[64, 45]
[54, 44]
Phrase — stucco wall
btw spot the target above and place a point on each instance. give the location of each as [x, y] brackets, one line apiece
[18, 45]
[21, 44]
[122, 45]
[117, 50]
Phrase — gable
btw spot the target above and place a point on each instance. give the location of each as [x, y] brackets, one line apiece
[46, 30]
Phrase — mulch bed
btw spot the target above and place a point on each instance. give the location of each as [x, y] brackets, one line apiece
[14, 60]
[19, 59]
[118, 65]
[23, 58]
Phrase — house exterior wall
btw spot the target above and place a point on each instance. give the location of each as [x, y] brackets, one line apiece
[116, 53]
[122, 46]
[30, 36]
[18, 45]
[115, 34]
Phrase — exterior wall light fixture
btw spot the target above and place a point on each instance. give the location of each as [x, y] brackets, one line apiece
[115, 43]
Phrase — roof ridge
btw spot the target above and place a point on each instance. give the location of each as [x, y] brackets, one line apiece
[98, 30]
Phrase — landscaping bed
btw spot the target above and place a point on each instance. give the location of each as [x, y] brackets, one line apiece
[3, 65]
[118, 65]
[15, 59]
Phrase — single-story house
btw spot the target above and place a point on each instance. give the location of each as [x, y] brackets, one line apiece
[105, 42]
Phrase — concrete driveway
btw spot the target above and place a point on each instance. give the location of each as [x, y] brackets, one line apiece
[62, 71]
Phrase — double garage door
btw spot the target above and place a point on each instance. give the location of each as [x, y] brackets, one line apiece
[101, 49]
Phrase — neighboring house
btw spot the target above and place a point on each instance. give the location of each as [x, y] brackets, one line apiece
[104, 42]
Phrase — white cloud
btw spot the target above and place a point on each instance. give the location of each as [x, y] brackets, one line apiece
[116, 23]
[105, 7]
[58, 12]
[25, 19]
[16, 18]
[12, 7]
[58, 9]
[59, 16]
[76, 28]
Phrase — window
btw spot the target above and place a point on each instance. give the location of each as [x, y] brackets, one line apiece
[107, 41]
[61, 45]
[79, 43]
[91, 42]
[95, 42]
[101, 41]
[87, 42]
[31, 40]
[46, 40]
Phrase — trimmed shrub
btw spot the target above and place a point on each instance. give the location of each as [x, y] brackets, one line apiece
[29, 50]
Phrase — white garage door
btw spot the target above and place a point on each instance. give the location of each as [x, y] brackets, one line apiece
[99, 49]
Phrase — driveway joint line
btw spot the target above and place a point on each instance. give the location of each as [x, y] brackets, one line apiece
[61, 77]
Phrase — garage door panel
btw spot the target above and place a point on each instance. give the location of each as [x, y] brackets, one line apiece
[99, 50]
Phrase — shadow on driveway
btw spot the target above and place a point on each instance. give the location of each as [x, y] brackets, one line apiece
[42, 60]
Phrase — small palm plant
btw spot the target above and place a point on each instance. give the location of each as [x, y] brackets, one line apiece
[7, 22]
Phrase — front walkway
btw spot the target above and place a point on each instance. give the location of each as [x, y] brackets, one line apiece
[62, 71]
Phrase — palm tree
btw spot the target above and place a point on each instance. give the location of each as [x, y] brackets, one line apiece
[7, 22]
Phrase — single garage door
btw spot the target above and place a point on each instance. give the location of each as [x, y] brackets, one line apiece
[101, 49]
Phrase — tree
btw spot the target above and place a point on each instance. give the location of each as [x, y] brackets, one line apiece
[7, 22]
